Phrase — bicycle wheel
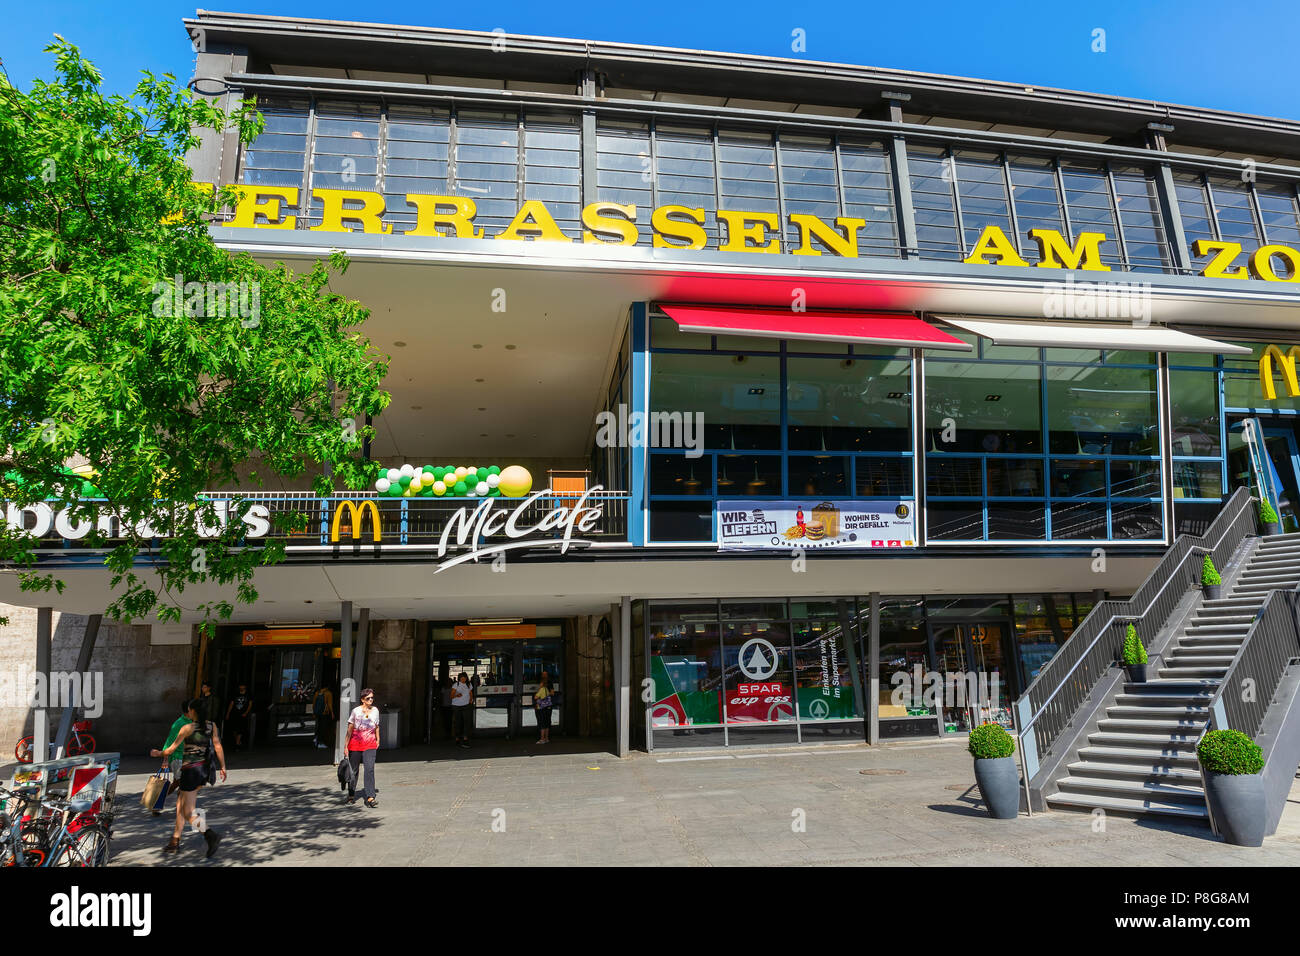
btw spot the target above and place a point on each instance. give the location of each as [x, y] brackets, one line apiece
[81, 744]
[89, 847]
[24, 750]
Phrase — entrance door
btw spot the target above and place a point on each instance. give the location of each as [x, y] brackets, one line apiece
[535, 657]
[507, 672]
[972, 659]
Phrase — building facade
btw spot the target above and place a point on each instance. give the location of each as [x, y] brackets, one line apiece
[825, 379]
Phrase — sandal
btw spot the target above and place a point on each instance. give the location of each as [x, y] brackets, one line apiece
[172, 847]
[371, 802]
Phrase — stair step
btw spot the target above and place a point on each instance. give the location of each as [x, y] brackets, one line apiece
[1160, 743]
[1126, 805]
[1121, 711]
[1180, 760]
[1136, 771]
[1202, 652]
[1138, 789]
[1238, 625]
[1182, 671]
[1146, 725]
[1222, 620]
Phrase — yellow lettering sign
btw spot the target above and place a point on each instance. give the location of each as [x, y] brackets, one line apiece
[994, 242]
[1261, 263]
[1287, 363]
[334, 213]
[810, 227]
[1224, 253]
[355, 514]
[1055, 253]
[264, 201]
[432, 212]
[678, 222]
[599, 224]
[534, 219]
[747, 231]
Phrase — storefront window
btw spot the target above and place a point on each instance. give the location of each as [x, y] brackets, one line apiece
[685, 668]
[825, 670]
[757, 661]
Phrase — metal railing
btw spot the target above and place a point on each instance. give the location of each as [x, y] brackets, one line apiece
[1047, 706]
[1269, 647]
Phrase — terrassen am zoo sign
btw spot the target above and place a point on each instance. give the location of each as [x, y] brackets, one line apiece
[683, 227]
[786, 525]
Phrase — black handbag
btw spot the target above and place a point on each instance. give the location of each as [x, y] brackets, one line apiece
[346, 776]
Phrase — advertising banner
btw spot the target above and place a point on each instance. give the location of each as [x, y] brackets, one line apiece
[848, 525]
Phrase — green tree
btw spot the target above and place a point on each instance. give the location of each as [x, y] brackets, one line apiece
[130, 342]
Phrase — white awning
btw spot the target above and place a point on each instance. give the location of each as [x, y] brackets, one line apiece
[1138, 338]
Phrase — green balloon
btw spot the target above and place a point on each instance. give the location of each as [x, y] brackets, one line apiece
[459, 488]
[395, 490]
[494, 470]
[482, 474]
[404, 481]
[429, 469]
[440, 473]
[494, 493]
[427, 491]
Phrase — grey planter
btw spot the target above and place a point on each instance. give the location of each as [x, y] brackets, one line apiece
[1137, 673]
[1237, 803]
[999, 784]
[1213, 592]
[1272, 528]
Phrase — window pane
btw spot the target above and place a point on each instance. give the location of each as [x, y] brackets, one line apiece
[759, 674]
[983, 407]
[686, 674]
[849, 404]
[1102, 410]
[739, 396]
[1194, 397]
[824, 674]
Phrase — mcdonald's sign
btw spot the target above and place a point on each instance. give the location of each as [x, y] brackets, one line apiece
[1287, 364]
[355, 514]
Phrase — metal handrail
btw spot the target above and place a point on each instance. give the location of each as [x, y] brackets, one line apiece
[1168, 569]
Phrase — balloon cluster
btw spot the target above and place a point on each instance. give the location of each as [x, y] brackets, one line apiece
[81, 475]
[438, 481]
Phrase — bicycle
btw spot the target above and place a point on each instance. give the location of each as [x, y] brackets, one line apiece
[78, 840]
[79, 743]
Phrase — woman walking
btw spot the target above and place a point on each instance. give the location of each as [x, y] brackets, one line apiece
[198, 743]
[363, 741]
[543, 699]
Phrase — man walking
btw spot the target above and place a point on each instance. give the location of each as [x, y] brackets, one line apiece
[323, 708]
[461, 696]
[241, 705]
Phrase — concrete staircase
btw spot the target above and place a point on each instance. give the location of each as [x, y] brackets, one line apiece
[1141, 759]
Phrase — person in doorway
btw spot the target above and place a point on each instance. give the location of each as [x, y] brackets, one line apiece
[462, 695]
[543, 699]
[322, 707]
[363, 744]
[211, 704]
[241, 705]
[200, 747]
[444, 706]
[173, 766]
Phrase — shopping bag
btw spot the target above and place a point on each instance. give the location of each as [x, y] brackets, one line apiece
[155, 791]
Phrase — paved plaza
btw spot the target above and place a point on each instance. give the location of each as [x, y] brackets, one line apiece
[903, 804]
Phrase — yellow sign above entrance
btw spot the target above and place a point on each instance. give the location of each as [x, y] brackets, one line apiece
[1287, 363]
[682, 227]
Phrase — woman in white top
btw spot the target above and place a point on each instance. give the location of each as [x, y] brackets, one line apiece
[363, 744]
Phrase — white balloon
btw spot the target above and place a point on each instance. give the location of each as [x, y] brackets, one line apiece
[439, 488]
[481, 489]
[382, 485]
[493, 480]
[407, 471]
[394, 474]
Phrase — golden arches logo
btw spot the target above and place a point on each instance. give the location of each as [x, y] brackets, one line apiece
[1287, 363]
[355, 514]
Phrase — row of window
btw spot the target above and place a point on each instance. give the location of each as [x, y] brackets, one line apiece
[500, 159]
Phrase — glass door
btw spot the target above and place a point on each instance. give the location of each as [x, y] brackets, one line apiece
[535, 657]
[948, 655]
[974, 669]
[1280, 444]
[495, 696]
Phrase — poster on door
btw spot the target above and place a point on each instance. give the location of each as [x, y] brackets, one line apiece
[847, 525]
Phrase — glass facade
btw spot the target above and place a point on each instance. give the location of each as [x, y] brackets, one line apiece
[500, 158]
[799, 670]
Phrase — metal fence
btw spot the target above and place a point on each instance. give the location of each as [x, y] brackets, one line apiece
[1068, 679]
[1273, 641]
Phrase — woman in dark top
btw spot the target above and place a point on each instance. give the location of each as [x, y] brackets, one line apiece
[194, 741]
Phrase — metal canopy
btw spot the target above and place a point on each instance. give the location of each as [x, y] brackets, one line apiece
[1150, 338]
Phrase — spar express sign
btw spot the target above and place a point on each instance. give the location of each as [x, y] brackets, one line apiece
[683, 227]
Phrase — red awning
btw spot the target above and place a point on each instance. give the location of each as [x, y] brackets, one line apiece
[875, 328]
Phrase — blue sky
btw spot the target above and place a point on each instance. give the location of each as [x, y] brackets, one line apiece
[1228, 56]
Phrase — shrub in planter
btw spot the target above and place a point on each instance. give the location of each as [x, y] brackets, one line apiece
[1268, 517]
[1134, 656]
[995, 770]
[1233, 786]
[1210, 579]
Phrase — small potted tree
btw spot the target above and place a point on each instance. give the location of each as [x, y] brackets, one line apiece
[1134, 656]
[1268, 517]
[1233, 786]
[1210, 580]
[995, 770]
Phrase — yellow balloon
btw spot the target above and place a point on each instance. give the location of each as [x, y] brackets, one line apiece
[462, 471]
[515, 481]
[439, 489]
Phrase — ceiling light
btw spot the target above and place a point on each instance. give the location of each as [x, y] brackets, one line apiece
[496, 620]
[416, 408]
[400, 345]
[992, 398]
[477, 346]
[511, 348]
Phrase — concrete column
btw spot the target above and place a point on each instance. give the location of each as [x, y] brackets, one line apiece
[44, 652]
[83, 666]
[623, 677]
[873, 668]
[359, 655]
[347, 684]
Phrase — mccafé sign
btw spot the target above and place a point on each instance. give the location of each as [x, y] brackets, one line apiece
[682, 227]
